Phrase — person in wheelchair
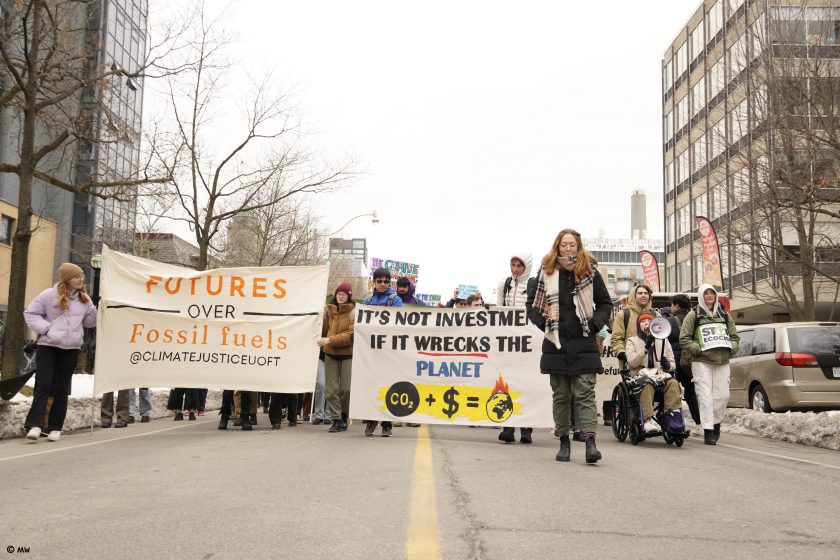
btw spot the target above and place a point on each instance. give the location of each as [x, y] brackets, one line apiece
[650, 361]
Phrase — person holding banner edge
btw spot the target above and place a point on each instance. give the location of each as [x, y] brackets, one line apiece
[571, 304]
[710, 337]
[337, 344]
[384, 295]
[59, 315]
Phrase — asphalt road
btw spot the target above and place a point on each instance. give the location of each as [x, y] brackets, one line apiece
[186, 490]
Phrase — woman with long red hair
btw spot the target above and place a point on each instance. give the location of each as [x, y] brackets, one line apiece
[59, 316]
[571, 304]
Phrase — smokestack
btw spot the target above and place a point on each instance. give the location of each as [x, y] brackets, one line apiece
[638, 215]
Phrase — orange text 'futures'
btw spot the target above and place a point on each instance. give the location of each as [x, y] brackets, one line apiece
[217, 285]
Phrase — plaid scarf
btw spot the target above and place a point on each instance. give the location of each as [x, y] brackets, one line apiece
[547, 300]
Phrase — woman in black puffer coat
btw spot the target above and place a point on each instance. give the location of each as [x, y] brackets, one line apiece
[571, 304]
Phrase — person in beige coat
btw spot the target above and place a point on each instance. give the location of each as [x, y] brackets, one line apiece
[337, 343]
[642, 350]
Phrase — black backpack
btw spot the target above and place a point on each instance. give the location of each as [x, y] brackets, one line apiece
[530, 286]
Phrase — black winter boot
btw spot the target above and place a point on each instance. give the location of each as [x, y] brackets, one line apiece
[246, 423]
[508, 435]
[525, 435]
[592, 453]
[709, 437]
[343, 424]
[223, 421]
[716, 431]
[336, 426]
[565, 449]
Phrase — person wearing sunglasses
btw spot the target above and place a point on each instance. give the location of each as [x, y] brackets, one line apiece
[382, 294]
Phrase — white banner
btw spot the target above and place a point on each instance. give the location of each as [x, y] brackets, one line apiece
[229, 328]
[470, 367]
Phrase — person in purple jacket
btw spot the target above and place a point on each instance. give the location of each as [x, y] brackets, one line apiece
[59, 315]
[405, 289]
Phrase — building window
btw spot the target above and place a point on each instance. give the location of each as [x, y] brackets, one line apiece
[671, 277]
[669, 126]
[7, 228]
[670, 222]
[700, 206]
[698, 270]
[714, 19]
[698, 150]
[698, 96]
[682, 167]
[669, 75]
[683, 220]
[669, 177]
[682, 62]
[695, 39]
[681, 119]
[717, 77]
[738, 122]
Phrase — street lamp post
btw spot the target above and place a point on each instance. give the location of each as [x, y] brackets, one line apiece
[374, 220]
[96, 266]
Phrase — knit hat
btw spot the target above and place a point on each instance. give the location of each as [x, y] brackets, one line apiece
[345, 288]
[68, 270]
[645, 315]
[381, 273]
[403, 282]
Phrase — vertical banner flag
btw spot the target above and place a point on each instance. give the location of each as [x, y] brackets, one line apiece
[468, 367]
[650, 269]
[228, 328]
[711, 253]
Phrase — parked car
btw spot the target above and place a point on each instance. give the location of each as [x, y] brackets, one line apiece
[785, 366]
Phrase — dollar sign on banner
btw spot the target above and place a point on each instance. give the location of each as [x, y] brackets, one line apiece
[452, 404]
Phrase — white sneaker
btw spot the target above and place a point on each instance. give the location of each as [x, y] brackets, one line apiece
[55, 435]
[651, 426]
[33, 434]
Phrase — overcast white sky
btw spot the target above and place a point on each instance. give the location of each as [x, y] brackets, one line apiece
[482, 127]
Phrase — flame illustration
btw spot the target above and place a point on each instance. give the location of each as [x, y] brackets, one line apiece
[501, 386]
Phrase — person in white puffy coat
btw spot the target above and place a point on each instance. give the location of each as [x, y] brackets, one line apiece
[513, 292]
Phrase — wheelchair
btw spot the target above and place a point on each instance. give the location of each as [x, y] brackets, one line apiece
[627, 417]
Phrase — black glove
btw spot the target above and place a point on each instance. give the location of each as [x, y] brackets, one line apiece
[649, 342]
[621, 356]
[666, 365]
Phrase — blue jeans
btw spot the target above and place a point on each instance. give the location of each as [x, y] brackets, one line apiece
[145, 402]
[319, 409]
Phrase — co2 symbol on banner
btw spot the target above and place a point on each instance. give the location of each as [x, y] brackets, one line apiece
[402, 399]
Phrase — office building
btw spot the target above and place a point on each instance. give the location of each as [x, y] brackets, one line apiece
[724, 76]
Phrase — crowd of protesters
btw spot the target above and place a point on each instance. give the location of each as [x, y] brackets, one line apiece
[567, 300]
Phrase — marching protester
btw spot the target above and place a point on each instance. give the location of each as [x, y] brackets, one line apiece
[320, 410]
[384, 295]
[571, 304]
[680, 306]
[59, 316]
[183, 400]
[710, 350]
[640, 351]
[513, 292]
[624, 323]
[406, 289]
[227, 405]
[336, 343]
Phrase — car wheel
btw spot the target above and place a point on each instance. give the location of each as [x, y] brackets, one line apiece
[759, 401]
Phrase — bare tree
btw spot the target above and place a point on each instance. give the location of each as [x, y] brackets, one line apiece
[52, 86]
[781, 227]
[224, 175]
[283, 233]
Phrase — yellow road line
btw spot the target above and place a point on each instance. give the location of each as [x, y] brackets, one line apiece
[422, 543]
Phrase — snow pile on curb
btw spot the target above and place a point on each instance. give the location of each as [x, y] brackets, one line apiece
[13, 413]
[808, 428]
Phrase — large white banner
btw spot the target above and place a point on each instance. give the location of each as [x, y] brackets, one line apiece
[229, 328]
[471, 367]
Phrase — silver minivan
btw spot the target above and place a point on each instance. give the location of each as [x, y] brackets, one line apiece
[785, 366]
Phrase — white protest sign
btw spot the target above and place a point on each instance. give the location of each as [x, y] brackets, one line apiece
[236, 328]
[471, 367]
